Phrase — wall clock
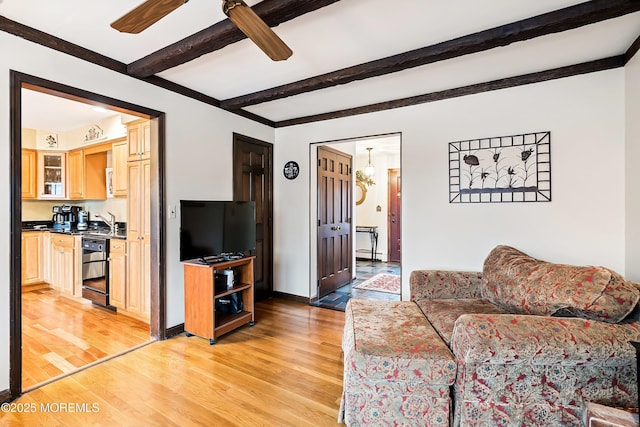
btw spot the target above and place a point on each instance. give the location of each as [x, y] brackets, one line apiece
[291, 170]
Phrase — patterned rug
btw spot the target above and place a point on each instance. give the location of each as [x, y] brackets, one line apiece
[381, 282]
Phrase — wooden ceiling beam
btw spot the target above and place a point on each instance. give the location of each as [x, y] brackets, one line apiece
[553, 22]
[219, 35]
[509, 82]
[633, 49]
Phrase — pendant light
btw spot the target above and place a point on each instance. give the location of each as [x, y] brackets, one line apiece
[369, 170]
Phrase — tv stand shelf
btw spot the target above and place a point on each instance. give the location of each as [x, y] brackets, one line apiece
[201, 317]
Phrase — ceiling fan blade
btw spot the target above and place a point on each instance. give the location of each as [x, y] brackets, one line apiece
[145, 15]
[255, 28]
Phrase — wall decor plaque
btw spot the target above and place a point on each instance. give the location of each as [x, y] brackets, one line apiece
[291, 170]
[515, 168]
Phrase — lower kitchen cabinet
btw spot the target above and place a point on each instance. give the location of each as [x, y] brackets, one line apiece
[32, 260]
[65, 268]
[46, 256]
[118, 273]
[138, 279]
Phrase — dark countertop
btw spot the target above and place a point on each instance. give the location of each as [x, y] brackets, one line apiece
[95, 230]
[103, 234]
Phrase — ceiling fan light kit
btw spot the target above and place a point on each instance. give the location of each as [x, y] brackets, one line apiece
[255, 28]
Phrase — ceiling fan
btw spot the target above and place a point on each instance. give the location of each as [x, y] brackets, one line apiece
[238, 12]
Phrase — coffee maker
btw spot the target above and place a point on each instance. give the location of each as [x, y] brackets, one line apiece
[65, 217]
[58, 218]
[83, 220]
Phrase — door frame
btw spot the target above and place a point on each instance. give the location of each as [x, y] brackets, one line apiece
[157, 325]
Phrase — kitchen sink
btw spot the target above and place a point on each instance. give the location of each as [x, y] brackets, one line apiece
[103, 233]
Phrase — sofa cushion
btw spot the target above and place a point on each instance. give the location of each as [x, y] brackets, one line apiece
[443, 313]
[522, 284]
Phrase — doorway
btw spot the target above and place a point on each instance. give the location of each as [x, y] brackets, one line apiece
[375, 224]
[155, 255]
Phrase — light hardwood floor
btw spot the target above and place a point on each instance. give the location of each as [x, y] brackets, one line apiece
[284, 371]
[60, 335]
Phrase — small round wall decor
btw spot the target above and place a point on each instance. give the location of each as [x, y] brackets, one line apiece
[291, 170]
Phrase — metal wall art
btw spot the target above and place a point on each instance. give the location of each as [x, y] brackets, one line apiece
[514, 168]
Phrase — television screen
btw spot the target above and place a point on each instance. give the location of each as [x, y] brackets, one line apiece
[214, 228]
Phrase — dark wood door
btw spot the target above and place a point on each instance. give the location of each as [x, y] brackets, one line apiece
[394, 215]
[334, 220]
[253, 180]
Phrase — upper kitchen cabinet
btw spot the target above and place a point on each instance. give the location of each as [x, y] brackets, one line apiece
[75, 161]
[87, 173]
[139, 139]
[119, 158]
[29, 173]
[51, 175]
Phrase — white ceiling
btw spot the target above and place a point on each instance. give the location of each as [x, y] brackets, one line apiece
[344, 34]
[47, 112]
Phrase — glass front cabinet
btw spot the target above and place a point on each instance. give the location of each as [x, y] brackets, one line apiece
[51, 175]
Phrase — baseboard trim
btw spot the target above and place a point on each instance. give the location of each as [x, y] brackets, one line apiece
[5, 396]
[175, 330]
[290, 297]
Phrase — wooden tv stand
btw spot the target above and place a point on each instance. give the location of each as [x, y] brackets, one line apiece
[200, 316]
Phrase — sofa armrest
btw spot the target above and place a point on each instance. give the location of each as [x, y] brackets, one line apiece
[442, 284]
[510, 339]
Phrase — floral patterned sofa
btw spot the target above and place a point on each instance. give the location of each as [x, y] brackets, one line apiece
[533, 341]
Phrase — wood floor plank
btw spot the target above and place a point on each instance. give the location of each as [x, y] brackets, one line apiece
[284, 371]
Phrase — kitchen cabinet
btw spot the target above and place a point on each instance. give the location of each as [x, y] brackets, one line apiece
[138, 239]
[118, 273]
[46, 256]
[51, 175]
[66, 275]
[29, 173]
[139, 140]
[32, 257]
[86, 174]
[75, 167]
[119, 158]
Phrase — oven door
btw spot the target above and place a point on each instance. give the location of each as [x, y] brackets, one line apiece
[95, 271]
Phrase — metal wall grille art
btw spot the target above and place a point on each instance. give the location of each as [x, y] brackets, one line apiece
[514, 168]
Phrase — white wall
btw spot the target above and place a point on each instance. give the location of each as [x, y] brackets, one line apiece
[632, 98]
[198, 153]
[583, 224]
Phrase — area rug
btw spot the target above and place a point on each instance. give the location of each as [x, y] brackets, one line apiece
[381, 282]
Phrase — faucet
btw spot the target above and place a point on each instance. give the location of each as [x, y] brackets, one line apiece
[111, 222]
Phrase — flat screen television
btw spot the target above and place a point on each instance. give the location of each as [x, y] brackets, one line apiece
[216, 228]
